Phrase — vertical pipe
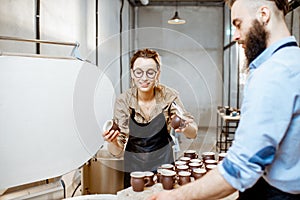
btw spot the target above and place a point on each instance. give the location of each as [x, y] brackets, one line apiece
[223, 53]
[97, 29]
[37, 25]
[121, 28]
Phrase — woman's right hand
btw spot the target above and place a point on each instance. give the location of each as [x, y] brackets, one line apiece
[110, 136]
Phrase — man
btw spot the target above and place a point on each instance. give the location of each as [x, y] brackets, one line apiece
[266, 153]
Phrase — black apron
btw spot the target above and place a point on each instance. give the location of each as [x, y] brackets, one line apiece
[149, 146]
[262, 190]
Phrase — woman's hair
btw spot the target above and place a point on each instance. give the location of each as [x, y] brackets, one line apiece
[282, 5]
[145, 53]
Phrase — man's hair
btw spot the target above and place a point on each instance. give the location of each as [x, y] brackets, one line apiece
[282, 5]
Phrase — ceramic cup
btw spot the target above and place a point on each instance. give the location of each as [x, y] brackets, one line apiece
[210, 162]
[167, 166]
[179, 162]
[137, 181]
[210, 167]
[194, 165]
[177, 122]
[233, 113]
[185, 159]
[222, 156]
[180, 168]
[167, 179]
[209, 155]
[227, 110]
[196, 160]
[184, 177]
[158, 175]
[191, 154]
[198, 173]
[149, 178]
[110, 125]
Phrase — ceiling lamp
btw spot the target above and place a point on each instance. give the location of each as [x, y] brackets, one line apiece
[145, 2]
[176, 19]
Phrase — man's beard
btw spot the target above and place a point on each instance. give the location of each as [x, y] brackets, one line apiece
[255, 41]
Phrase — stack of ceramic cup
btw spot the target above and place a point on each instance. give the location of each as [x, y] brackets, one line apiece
[209, 160]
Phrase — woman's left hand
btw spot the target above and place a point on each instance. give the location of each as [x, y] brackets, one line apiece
[186, 125]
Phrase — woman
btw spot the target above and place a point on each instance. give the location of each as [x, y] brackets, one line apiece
[144, 113]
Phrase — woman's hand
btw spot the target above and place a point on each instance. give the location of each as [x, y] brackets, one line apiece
[187, 127]
[110, 136]
[183, 124]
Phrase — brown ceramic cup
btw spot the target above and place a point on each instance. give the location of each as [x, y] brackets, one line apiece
[196, 160]
[167, 166]
[137, 181]
[185, 159]
[191, 154]
[167, 179]
[184, 177]
[180, 168]
[208, 155]
[198, 173]
[210, 167]
[194, 165]
[149, 178]
[210, 162]
[222, 156]
[110, 125]
[179, 162]
[177, 122]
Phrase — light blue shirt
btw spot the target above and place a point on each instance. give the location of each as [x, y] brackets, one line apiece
[267, 140]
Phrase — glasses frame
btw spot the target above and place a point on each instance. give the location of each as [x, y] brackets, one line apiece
[143, 72]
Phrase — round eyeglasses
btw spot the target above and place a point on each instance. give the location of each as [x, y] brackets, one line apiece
[150, 73]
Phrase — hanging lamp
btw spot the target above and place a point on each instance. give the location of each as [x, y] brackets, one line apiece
[176, 19]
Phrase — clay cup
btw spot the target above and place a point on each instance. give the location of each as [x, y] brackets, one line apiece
[110, 125]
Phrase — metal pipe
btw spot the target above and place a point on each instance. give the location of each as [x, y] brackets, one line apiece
[36, 56]
[39, 41]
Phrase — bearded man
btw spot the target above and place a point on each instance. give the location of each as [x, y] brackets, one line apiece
[264, 161]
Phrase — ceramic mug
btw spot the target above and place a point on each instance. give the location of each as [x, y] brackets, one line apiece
[149, 178]
[167, 179]
[198, 173]
[137, 181]
[177, 122]
[191, 154]
[222, 156]
[110, 125]
[184, 177]
[209, 155]
[167, 166]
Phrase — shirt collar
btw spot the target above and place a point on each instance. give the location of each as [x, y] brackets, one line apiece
[268, 52]
[160, 92]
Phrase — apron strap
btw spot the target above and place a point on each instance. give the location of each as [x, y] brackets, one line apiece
[288, 44]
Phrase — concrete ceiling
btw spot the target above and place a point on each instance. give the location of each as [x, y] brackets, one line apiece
[179, 2]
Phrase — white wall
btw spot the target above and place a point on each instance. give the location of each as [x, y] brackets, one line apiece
[17, 20]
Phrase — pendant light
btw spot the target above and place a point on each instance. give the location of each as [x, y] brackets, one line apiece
[176, 19]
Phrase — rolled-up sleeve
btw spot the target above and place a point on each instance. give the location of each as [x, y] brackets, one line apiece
[121, 117]
[266, 114]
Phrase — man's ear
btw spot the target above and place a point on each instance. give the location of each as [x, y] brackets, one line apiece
[264, 14]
